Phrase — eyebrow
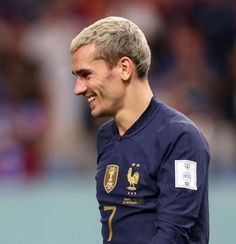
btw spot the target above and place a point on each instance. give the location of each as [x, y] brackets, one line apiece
[81, 72]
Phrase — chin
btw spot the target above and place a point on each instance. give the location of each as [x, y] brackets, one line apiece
[100, 114]
[96, 114]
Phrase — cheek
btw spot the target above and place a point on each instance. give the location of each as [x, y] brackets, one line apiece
[114, 85]
[110, 87]
[114, 92]
[116, 98]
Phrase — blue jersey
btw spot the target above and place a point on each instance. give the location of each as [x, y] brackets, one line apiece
[152, 182]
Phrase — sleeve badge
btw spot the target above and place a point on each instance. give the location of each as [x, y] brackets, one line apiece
[186, 174]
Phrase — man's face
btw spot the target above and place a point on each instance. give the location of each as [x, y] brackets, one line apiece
[103, 88]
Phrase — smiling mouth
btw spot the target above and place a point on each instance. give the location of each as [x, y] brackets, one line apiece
[91, 99]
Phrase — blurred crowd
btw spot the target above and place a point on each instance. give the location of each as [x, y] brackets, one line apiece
[46, 129]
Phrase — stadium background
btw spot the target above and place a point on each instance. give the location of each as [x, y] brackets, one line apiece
[47, 137]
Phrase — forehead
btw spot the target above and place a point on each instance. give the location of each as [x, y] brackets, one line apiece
[86, 59]
[84, 54]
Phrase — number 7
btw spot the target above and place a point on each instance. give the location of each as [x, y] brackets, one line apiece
[113, 209]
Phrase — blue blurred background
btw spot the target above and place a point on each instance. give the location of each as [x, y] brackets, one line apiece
[47, 137]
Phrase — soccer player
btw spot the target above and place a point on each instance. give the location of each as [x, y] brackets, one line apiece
[152, 164]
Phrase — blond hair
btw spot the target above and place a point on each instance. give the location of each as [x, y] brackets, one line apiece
[114, 38]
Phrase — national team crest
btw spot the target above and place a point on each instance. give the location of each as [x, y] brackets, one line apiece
[110, 178]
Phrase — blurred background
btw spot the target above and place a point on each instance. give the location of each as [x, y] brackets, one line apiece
[47, 137]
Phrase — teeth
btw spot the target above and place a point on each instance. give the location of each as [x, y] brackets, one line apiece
[90, 99]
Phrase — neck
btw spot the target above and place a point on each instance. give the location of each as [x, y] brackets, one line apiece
[136, 101]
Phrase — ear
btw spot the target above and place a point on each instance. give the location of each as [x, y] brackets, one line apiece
[126, 68]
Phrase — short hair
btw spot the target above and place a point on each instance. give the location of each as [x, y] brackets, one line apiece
[114, 38]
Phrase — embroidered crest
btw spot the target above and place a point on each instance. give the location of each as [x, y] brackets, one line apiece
[133, 178]
[110, 178]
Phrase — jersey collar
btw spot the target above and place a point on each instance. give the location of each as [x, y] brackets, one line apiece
[143, 120]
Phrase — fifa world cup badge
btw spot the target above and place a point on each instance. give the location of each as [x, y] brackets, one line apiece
[110, 178]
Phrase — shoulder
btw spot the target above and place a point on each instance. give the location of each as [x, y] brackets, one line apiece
[177, 129]
[169, 117]
[184, 132]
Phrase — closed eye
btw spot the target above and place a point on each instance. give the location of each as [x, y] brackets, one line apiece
[85, 74]
[82, 73]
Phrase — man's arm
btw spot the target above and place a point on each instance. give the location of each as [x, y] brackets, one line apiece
[182, 181]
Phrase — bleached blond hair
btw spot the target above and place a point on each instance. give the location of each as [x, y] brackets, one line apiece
[114, 38]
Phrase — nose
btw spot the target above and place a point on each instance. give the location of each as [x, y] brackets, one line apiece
[80, 87]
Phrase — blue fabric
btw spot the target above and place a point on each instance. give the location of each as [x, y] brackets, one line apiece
[150, 209]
